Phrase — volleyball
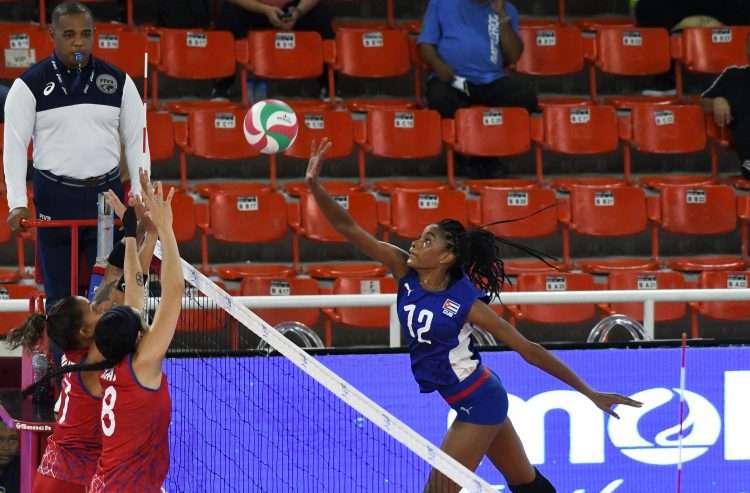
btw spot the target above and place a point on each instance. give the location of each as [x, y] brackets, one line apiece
[270, 126]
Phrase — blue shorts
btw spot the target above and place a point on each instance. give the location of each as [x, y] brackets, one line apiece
[479, 399]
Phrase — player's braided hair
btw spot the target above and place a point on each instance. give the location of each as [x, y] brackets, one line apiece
[478, 253]
[62, 322]
[115, 336]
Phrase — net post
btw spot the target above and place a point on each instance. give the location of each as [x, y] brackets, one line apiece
[648, 319]
[394, 328]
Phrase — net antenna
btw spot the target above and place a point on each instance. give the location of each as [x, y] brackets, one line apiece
[352, 397]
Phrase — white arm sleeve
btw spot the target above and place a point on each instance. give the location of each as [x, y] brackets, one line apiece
[132, 123]
[20, 118]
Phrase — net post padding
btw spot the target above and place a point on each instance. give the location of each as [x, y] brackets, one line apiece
[391, 425]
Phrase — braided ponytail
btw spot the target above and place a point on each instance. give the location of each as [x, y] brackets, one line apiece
[478, 255]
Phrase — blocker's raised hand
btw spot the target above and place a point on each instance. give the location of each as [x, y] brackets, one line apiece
[158, 208]
[317, 153]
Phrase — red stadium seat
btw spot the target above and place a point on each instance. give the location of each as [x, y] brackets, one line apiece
[314, 126]
[550, 50]
[282, 286]
[496, 204]
[608, 212]
[160, 135]
[313, 225]
[193, 54]
[644, 280]
[575, 130]
[23, 45]
[709, 50]
[350, 269]
[410, 211]
[482, 131]
[413, 134]
[555, 314]
[721, 310]
[11, 320]
[279, 55]
[659, 129]
[599, 22]
[376, 317]
[183, 211]
[206, 189]
[699, 210]
[743, 214]
[368, 53]
[124, 49]
[202, 321]
[628, 51]
[233, 217]
[212, 134]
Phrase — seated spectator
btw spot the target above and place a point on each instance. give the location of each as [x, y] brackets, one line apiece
[467, 44]
[9, 460]
[727, 98]
[241, 16]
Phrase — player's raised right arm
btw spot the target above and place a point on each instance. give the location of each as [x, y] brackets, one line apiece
[390, 255]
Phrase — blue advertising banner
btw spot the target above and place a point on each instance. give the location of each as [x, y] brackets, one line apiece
[579, 448]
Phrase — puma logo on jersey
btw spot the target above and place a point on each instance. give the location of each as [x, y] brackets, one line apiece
[408, 289]
[109, 375]
[467, 410]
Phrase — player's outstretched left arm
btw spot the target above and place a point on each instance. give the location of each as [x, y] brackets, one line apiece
[152, 348]
[483, 316]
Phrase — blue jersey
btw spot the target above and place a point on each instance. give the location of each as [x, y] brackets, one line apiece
[466, 34]
[434, 325]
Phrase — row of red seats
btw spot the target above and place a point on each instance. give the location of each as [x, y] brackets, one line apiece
[363, 52]
[588, 211]
[580, 129]
[609, 212]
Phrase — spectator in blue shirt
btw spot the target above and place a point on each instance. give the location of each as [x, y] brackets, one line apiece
[468, 44]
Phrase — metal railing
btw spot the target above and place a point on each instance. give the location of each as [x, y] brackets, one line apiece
[648, 297]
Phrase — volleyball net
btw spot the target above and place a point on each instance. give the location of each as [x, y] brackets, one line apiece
[251, 421]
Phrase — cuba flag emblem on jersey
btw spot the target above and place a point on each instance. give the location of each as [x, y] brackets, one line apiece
[450, 307]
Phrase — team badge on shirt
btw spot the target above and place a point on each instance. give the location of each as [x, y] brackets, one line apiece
[450, 307]
[106, 84]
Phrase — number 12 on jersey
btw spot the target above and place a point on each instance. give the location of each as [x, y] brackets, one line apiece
[424, 317]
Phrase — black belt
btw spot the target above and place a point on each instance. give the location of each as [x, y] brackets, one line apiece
[92, 182]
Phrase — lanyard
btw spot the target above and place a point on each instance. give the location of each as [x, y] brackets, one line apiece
[62, 84]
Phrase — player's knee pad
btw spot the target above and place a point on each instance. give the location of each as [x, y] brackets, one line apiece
[539, 485]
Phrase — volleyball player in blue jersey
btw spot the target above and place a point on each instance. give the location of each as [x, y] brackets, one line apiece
[442, 280]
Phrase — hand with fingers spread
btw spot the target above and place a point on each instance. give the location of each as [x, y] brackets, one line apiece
[144, 223]
[605, 401]
[158, 208]
[317, 153]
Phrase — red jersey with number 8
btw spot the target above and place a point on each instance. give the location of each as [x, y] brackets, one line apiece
[134, 424]
[74, 446]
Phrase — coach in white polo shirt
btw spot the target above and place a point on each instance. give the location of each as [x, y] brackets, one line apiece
[80, 113]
